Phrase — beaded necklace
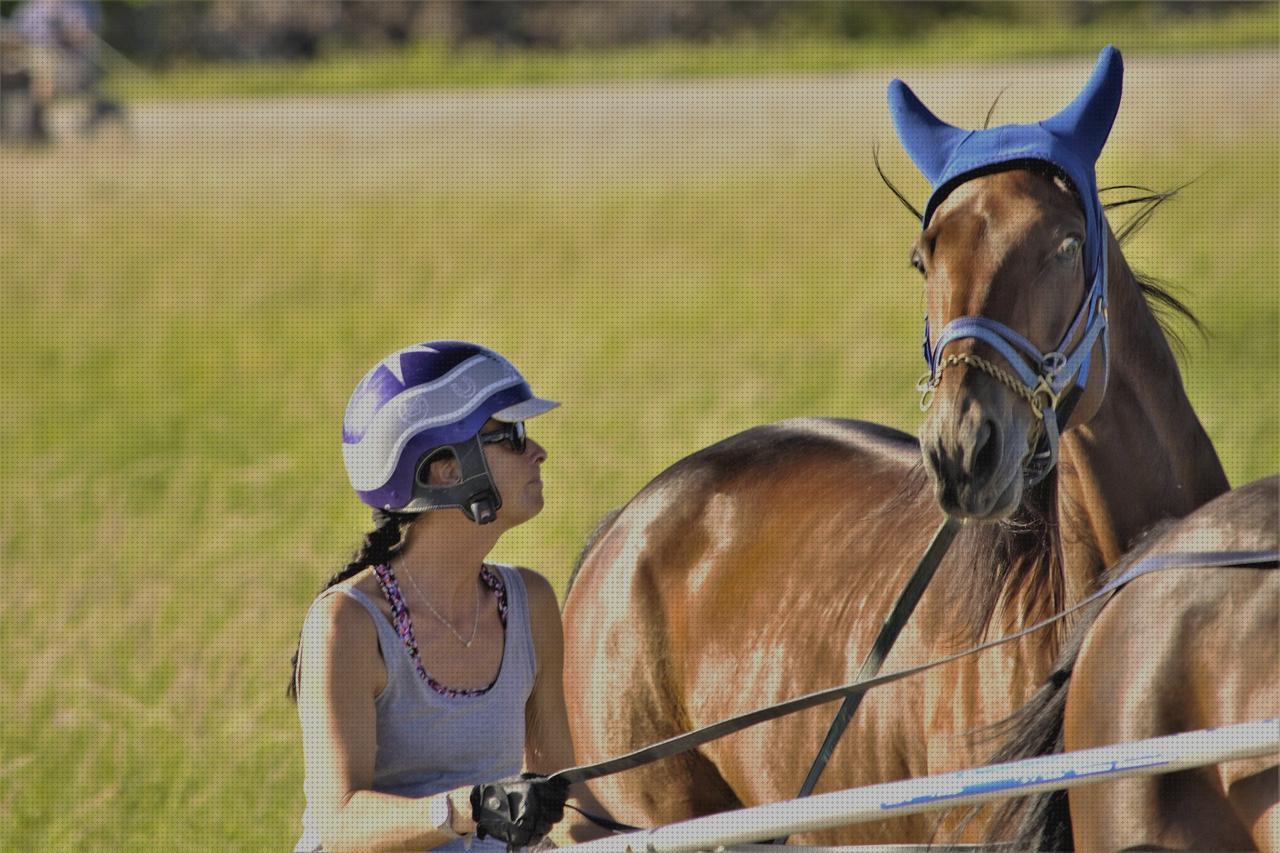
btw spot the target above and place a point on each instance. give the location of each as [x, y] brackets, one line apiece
[404, 624]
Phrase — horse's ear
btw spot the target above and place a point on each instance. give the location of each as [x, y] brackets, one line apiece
[1086, 121]
[929, 140]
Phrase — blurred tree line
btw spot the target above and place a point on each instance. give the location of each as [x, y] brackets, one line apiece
[157, 32]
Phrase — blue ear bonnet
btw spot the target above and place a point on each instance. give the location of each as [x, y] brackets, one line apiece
[1069, 144]
[1069, 141]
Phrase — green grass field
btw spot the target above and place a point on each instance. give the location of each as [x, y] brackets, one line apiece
[185, 315]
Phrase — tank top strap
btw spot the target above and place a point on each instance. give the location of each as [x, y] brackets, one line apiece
[519, 625]
[367, 603]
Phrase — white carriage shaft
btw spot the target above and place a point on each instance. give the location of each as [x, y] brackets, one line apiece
[960, 788]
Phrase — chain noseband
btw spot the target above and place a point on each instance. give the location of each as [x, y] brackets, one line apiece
[1041, 397]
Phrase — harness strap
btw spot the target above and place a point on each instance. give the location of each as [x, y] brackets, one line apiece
[604, 822]
[889, 631]
[1078, 361]
[691, 740]
[1043, 454]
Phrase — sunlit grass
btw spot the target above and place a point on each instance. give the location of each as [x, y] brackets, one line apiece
[181, 331]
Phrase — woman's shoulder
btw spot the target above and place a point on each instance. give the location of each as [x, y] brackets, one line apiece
[336, 609]
[542, 597]
[339, 641]
[366, 583]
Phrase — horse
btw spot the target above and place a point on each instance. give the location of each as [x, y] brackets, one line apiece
[1172, 651]
[758, 569]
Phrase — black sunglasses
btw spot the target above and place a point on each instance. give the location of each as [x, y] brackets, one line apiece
[512, 433]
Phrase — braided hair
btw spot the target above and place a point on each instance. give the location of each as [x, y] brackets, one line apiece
[380, 545]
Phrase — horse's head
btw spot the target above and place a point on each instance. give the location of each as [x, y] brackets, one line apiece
[1013, 251]
[1005, 247]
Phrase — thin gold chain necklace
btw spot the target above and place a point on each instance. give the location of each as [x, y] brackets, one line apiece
[475, 623]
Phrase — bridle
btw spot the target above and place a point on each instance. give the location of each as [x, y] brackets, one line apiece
[1050, 383]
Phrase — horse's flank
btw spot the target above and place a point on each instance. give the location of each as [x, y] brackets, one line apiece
[1173, 651]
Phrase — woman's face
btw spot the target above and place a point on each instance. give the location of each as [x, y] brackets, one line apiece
[517, 476]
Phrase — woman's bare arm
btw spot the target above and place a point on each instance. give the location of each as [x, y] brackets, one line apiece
[338, 682]
[548, 745]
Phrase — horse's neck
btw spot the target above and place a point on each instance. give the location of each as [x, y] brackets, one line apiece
[1143, 456]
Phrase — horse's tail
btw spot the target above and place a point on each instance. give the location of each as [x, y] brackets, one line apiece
[1039, 821]
[605, 522]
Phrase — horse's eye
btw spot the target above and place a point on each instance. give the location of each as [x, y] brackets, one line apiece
[1069, 248]
[918, 263]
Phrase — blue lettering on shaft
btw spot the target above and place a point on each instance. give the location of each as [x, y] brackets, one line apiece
[1006, 784]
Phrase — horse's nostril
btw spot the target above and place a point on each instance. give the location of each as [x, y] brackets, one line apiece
[986, 448]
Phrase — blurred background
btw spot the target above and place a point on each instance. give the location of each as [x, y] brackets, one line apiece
[165, 33]
[216, 216]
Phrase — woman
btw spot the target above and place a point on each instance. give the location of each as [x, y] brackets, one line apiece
[424, 672]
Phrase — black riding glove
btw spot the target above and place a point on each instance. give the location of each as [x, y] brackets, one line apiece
[518, 811]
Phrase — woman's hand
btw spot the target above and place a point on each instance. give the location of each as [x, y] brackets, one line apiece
[519, 811]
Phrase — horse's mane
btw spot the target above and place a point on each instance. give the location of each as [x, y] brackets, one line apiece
[1012, 565]
[1043, 821]
[1159, 295]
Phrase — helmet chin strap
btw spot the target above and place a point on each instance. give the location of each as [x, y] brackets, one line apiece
[474, 493]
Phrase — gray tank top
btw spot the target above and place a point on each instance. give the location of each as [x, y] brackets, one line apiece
[428, 742]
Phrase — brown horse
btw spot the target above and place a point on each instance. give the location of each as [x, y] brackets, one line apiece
[1173, 651]
[759, 568]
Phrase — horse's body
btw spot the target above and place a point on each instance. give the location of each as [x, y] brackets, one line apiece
[760, 568]
[1174, 650]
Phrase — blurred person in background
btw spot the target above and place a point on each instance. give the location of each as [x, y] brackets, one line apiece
[426, 675]
[61, 54]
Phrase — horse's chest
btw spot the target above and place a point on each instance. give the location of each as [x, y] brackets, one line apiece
[960, 701]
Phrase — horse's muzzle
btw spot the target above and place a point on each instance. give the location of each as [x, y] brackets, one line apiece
[973, 455]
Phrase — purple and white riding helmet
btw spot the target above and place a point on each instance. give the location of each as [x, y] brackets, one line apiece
[419, 401]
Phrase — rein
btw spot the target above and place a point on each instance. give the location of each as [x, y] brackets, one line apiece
[698, 737]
